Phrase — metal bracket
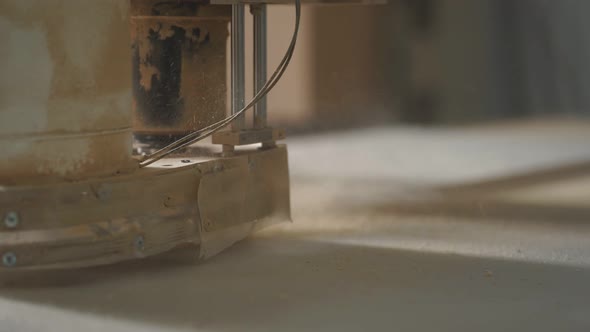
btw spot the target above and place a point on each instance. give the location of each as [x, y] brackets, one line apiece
[250, 136]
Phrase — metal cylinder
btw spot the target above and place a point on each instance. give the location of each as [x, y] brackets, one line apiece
[65, 89]
[260, 52]
[179, 66]
[238, 83]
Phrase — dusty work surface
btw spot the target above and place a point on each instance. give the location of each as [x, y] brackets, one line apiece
[396, 229]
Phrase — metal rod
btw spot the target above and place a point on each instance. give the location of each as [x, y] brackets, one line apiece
[259, 15]
[237, 65]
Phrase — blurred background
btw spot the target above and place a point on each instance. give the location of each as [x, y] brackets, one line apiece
[431, 62]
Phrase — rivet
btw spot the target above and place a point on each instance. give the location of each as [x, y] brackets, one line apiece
[9, 259]
[11, 219]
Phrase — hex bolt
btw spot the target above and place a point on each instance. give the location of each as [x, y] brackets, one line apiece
[9, 259]
[139, 243]
[11, 219]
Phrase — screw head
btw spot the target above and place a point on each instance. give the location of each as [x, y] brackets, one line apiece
[139, 243]
[9, 259]
[11, 219]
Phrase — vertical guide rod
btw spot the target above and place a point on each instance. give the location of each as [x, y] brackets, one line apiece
[238, 83]
[259, 16]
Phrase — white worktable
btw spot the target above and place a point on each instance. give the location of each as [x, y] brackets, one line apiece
[395, 229]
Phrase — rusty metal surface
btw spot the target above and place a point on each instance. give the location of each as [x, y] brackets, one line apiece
[193, 8]
[179, 66]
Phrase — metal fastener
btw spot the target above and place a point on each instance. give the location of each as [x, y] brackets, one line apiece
[11, 219]
[139, 243]
[9, 259]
